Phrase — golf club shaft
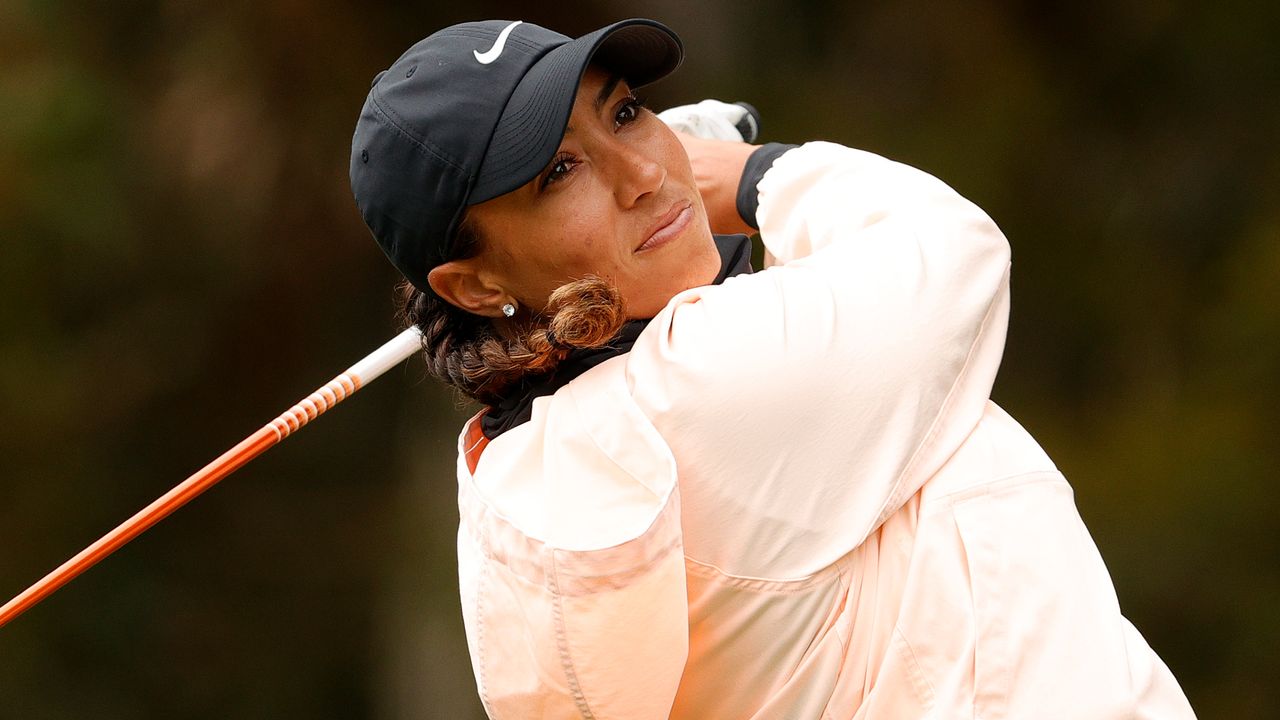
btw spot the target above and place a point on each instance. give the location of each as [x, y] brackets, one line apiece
[379, 361]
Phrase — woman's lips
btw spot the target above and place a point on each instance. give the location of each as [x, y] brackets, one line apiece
[669, 226]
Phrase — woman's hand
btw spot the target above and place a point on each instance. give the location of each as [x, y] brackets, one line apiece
[717, 168]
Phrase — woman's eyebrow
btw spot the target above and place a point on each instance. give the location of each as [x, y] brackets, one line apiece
[607, 90]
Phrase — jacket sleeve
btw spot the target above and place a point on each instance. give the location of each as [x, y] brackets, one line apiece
[570, 561]
[805, 403]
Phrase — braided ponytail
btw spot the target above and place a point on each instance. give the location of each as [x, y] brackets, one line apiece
[468, 352]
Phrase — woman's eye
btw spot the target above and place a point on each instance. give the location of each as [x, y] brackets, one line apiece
[557, 170]
[629, 111]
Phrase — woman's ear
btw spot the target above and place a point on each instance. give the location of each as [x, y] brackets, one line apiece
[459, 283]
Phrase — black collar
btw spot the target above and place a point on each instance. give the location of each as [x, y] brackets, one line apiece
[517, 407]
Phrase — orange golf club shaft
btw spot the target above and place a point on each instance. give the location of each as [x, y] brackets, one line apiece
[330, 394]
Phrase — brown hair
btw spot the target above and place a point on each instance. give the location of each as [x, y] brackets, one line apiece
[469, 352]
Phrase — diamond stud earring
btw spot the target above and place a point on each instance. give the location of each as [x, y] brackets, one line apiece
[509, 309]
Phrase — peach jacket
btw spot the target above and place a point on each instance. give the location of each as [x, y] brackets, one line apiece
[794, 499]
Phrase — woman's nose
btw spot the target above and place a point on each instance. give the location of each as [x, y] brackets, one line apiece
[638, 174]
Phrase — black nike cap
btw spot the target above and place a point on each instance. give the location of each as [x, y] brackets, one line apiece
[473, 112]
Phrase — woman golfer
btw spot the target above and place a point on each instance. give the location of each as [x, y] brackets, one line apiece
[697, 492]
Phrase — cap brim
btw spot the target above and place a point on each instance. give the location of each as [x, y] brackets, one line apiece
[534, 120]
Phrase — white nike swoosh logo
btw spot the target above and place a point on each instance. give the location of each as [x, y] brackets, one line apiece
[487, 57]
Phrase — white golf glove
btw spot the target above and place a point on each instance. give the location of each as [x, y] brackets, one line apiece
[714, 120]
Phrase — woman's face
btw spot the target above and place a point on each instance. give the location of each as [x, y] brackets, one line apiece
[618, 200]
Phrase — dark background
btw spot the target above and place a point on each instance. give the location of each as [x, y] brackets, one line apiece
[182, 260]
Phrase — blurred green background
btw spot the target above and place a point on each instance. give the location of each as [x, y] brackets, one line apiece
[182, 260]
